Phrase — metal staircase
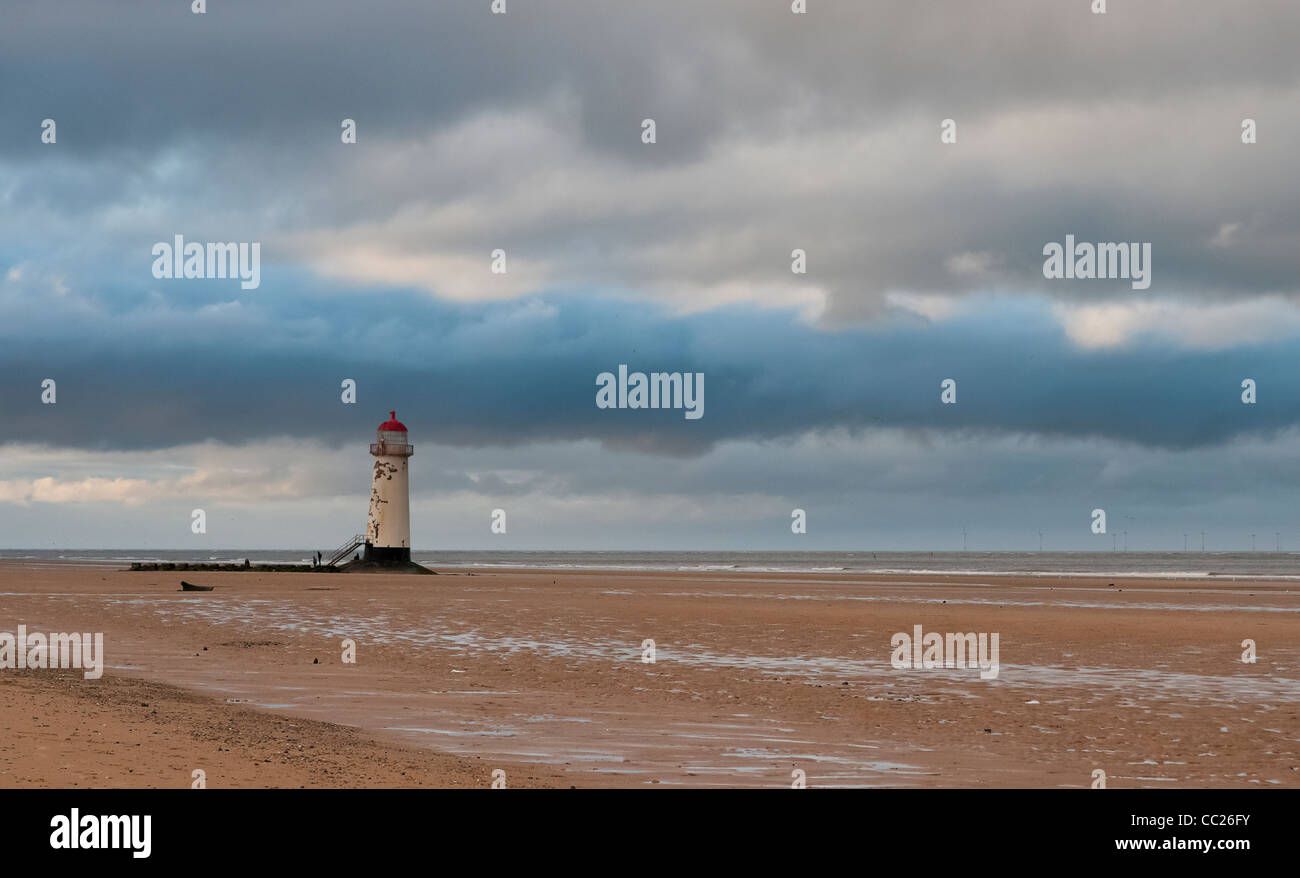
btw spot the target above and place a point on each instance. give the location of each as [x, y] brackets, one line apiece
[345, 550]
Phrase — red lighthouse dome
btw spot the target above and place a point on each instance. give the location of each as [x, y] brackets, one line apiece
[393, 425]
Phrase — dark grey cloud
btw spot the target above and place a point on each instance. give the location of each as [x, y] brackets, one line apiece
[135, 73]
[776, 131]
[511, 374]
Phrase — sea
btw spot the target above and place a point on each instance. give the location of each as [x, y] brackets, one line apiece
[1283, 565]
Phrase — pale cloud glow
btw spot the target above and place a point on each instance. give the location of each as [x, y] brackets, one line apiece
[879, 488]
[208, 471]
[1206, 327]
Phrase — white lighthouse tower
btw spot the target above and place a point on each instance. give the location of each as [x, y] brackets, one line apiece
[388, 529]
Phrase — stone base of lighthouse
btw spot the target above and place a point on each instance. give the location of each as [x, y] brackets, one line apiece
[384, 559]
[387, 554]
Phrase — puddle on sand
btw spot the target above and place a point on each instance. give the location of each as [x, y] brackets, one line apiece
[460, 733]
[379, 626]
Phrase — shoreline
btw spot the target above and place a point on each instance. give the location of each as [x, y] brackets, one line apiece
[919, 576]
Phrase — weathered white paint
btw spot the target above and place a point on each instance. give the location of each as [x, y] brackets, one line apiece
[389, 524]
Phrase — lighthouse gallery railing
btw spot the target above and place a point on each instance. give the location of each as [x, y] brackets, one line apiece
[391, 448]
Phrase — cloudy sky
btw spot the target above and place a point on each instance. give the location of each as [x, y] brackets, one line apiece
[774, 132]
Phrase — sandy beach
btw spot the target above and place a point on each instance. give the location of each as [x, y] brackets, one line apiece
[756, 677]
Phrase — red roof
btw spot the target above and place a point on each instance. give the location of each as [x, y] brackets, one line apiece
[393, 424]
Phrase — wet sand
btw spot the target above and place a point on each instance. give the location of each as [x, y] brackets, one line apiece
[756, 676]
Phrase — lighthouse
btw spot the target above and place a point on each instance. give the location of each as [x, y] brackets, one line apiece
[388, 528]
